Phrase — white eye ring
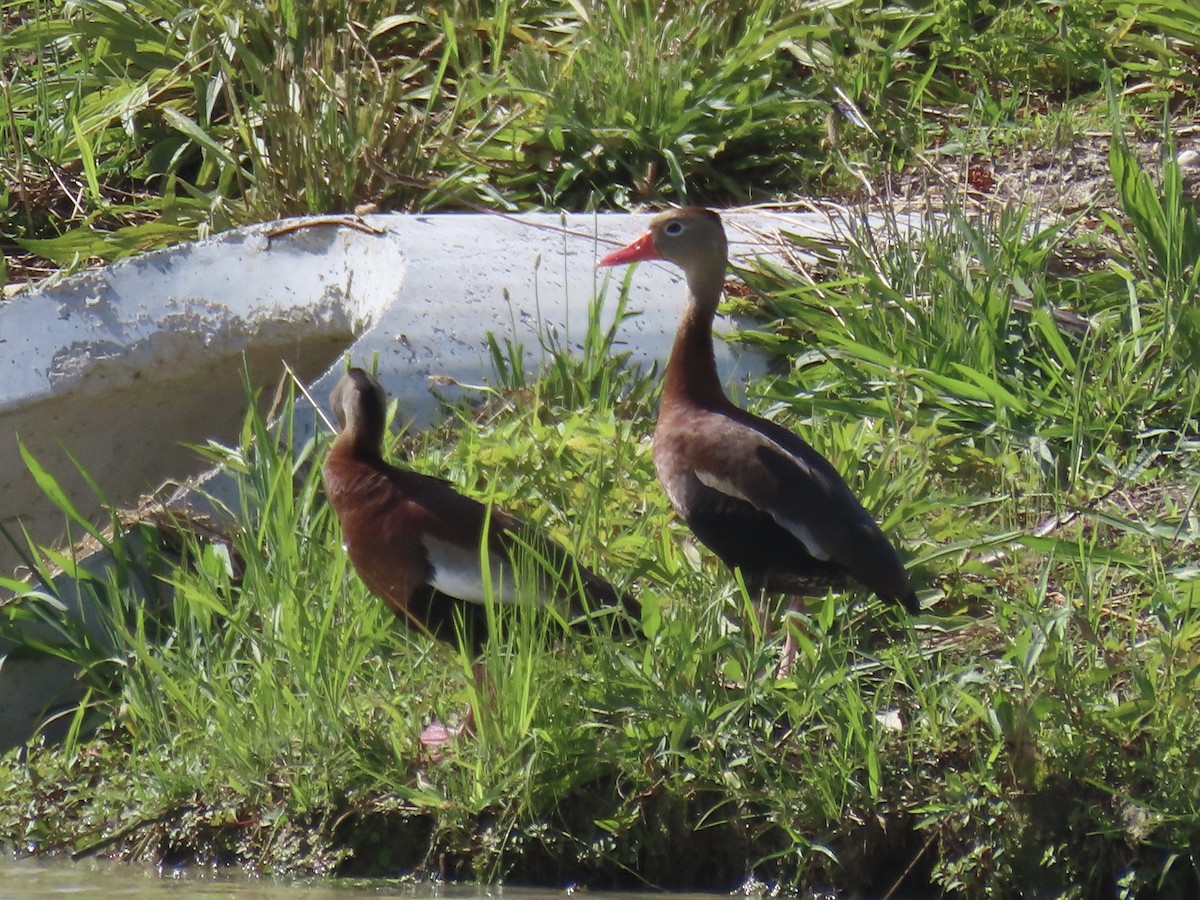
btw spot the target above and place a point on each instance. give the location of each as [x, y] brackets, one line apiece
[674, 228]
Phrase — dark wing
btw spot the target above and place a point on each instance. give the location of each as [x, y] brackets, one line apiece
[747, 538]
[776, 472]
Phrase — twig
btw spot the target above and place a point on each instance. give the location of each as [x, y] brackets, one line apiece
[1067, 320]
[1187, 511]
[520, 218]
[122, 833]
[344, 221]
[891, 892]
[309, 397]
[1053, 523]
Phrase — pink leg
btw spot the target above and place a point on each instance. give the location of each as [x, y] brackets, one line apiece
[789, 640]
[435, 735]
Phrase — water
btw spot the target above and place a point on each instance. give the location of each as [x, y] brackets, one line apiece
[28, 879]
[60, 879]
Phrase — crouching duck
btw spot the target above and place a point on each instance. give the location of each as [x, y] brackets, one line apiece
[416, 542]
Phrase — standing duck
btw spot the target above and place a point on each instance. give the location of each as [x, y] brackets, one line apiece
[416, 542]
[754, 493]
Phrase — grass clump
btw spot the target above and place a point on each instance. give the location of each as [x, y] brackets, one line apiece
[132, 124]
[651, 101]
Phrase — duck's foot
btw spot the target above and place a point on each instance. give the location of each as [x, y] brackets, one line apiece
[790, 645]
[786, 657]
[436, 735]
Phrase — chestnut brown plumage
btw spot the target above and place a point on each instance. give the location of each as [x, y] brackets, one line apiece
[755, 493]
[416, 542]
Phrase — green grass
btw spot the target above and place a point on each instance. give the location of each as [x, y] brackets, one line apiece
[1034, 732]
[138, 123]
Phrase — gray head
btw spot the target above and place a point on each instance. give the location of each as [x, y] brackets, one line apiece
[692, 238]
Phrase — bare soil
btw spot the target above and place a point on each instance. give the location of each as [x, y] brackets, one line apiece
[1072, 183]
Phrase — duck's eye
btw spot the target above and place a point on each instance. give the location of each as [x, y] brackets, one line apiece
[674, 229]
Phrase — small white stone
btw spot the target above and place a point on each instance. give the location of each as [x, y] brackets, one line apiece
[890, 720]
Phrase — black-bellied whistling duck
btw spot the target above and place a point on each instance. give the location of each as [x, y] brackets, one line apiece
[756, 494]
[415, 541]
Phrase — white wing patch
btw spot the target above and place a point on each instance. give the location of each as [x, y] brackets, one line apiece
[722, 486]
[456, 572]
[804, 535]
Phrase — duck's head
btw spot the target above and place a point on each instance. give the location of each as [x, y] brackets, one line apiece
[360, 407]
[692, 238]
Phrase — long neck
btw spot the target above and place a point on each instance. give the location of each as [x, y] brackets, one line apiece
[691, 377]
